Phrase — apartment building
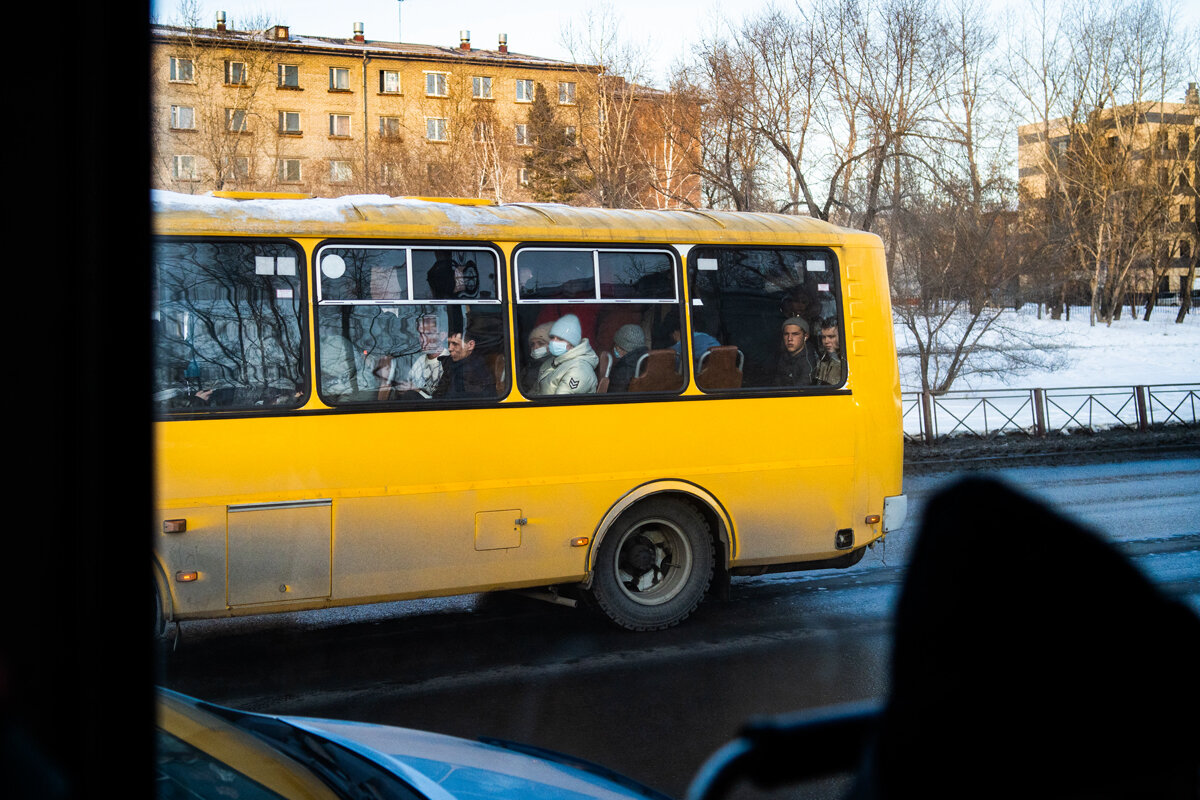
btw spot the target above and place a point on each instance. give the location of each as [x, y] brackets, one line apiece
[274, 111]
[1149, 156]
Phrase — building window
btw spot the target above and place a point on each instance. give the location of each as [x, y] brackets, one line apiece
[389, 81]
[236, 168]
[481, 88]
[183, 118]
[523, 176]
[522, 134]
[389, 127]
[235, 73]
[1185, 249]
[340, 172]
[289, 122]
[435, 129]
[566, 93]
[1183, 212]
[183, 168]
[483, 131]
[435, 84]
[524, 91]
[569, 135]
[339, 125]
[289, 76]
[1182, 144]
[339, 79]
[289, 170]
[235, 120]
[183, 70]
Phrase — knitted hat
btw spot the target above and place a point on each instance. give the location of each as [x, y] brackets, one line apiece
[567, 328]
[799, 322]
[540, 332]
[629, 338]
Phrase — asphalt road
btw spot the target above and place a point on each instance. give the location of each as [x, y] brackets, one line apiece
[655, 705]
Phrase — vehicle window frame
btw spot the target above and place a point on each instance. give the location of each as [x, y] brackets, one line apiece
[597, 299]
[410, 246]
[699, 252]
[300, 300]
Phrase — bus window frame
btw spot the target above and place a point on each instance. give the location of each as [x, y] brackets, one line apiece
[595, 248]
[302, 268]
[813, 390]
[409, 245]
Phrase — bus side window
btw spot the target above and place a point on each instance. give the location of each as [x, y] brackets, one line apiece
[392, 321]
[229, 326]
[599, 311]
[772, 305]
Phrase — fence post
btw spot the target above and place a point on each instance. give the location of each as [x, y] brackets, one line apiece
[927, 415]
[1140, 393]
[1039, 411]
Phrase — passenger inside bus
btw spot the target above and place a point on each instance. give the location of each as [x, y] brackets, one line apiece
[831, 366]
[465, 372]
[538, 354]
[798, 361]
[629, 345]
[572, 366]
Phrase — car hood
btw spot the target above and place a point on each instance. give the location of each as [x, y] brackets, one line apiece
[451, 768]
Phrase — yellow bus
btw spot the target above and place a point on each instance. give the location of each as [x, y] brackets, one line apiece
[374, 399]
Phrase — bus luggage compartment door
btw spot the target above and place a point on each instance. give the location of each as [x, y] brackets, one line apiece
[279, 552]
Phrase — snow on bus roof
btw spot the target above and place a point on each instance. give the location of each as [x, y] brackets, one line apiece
[308, 209]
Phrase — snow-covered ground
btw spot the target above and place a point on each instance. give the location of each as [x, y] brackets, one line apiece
[1130, 352]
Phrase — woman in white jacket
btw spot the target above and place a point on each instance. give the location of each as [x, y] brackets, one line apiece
[572, 368]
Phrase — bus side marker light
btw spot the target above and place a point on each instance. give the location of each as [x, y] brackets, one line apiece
[874, 519]
[580, 541]
[187, 577]
[174, 525]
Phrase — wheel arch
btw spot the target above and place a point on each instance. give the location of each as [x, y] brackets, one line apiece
[162, 598]
[719, 522]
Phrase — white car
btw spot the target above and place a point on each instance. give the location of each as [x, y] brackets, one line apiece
[210, 751]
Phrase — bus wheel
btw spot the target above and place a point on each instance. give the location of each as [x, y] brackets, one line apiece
[159, 623]
[653, 569]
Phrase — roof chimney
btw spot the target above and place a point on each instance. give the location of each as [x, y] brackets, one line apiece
[221, 20]
[358, 32]
[504, 43]
[1192, 98]
[464, 40]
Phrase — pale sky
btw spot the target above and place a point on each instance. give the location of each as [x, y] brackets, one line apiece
[534, 27]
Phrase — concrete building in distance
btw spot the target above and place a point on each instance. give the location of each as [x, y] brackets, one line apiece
[1139, 165]
[274, 111]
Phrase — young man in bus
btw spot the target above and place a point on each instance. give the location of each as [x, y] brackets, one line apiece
[830, 368]
[465, 373]
[798, 362]
[572, 368]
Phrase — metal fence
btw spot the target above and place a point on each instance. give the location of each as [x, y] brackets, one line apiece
[1036, 412]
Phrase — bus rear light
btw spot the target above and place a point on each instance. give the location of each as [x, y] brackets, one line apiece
[187, 577]
[874, 519]
[580, 541]
[174, 525]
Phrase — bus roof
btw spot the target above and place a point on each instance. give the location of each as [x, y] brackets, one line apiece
[414, 218]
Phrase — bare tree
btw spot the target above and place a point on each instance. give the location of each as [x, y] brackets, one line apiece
[612, 69]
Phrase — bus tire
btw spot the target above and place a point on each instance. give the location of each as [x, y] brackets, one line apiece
[160, 624]
[654, 566]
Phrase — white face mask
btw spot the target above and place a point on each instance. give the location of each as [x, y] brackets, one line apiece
[558, 347]
[539, 352]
